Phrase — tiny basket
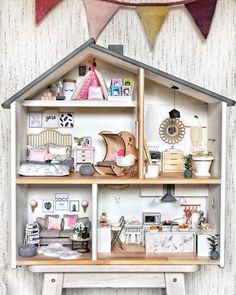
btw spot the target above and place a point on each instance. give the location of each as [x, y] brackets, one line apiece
[27, 250]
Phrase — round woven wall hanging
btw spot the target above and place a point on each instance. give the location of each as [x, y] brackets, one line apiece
[172, 131]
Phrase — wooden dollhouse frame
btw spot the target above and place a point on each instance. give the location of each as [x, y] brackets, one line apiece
[150, 269]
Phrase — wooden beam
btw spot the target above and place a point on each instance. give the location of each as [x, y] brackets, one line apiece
[141, 122]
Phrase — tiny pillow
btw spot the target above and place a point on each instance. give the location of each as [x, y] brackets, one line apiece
[54, 223]
[59, 150]
[37, 155]
[70, 221]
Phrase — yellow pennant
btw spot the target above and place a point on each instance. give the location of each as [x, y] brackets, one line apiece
[152, 19]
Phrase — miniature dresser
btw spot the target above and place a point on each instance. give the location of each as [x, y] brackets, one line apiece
[83, 156]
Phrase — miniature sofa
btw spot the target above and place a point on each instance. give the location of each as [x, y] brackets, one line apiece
[61, 236]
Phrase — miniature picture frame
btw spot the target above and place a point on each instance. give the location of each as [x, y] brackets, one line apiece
[116, 82]
[86, 142]
[74, 206]
[48, 206]
[50, 119]
[61, 201]
[116, 90]
[66, 120]
[82, 70]
[128, 82]
[126, 91]
[35, 120]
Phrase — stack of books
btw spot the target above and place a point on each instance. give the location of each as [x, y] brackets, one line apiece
[32, 234]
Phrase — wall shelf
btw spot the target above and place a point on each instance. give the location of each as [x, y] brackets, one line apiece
[75, 178]
[80, 103]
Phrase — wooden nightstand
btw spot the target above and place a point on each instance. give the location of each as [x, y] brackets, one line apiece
[83, 156]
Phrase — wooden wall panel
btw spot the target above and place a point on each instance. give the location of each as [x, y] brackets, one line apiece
[27, 50]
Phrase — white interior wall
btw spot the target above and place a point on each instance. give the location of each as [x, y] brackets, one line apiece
[40, 193]
[28, 50]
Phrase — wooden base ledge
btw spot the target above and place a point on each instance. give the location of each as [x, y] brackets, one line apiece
[114, 268]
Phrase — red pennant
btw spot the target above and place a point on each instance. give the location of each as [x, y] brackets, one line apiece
[202, 11]
[43, 7]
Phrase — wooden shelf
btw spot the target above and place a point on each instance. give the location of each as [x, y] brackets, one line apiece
[75, 178]
[104, 259]
[80, 103]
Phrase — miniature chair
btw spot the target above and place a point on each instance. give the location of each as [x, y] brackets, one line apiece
[133, 234]
[116, 231]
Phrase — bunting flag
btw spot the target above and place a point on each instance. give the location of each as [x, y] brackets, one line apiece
[202, 12]
[43, 7]
[152, 13]
[152, 19]
[99, 14]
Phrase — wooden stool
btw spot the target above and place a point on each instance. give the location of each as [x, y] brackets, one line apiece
[133, 233]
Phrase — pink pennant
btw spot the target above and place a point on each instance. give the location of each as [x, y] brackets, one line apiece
[43, 7]
[202, 11]
[99, 14]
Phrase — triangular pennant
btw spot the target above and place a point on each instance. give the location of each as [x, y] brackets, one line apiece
[99, 14]
[42, 8]
[202, 11]
[152, 19]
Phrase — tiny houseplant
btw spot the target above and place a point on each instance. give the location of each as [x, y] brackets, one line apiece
[214, 242]
[188, 166]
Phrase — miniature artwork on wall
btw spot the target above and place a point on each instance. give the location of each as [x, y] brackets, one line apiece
[50, 119]
[35, 120]
[48, 206]
[61, 201]
[74, 206]
[86, 142]
[66, 120]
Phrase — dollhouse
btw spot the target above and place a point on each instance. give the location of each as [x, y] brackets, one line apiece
[117, 140]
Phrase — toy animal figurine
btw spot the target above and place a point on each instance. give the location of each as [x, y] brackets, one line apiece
[78, 140]
[201, 219]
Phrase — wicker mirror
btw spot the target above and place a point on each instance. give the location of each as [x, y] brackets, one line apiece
[172, 131]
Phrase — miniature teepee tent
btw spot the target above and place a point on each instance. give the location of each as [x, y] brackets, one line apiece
[92, 86]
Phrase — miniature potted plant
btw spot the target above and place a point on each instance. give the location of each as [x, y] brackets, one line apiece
[78, 228]
[188, 166]
[214, 242]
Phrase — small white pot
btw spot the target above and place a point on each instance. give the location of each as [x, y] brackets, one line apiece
[202, 165]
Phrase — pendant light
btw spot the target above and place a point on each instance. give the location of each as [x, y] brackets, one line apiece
[174, 113]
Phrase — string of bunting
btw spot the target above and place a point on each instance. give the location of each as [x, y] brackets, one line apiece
[152, 13]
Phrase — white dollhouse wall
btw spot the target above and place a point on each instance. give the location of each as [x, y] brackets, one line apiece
[131, 204]
[159, 100]
[90, 122]
[75, 193]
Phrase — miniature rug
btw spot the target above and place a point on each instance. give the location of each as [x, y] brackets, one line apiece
[59, 251]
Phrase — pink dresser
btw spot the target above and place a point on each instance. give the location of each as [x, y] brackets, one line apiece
[83, 156]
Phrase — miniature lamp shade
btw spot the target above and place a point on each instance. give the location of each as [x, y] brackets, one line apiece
[33, 205]
[84, 205]
[174, 114]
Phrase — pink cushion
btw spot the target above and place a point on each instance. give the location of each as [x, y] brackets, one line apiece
[70, 221]
[37, 155]
[54, 223]
[118, 154]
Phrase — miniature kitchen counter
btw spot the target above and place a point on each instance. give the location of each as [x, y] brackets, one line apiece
[170, 242]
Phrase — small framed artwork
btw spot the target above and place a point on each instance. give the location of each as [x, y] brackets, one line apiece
[48, 206]
[116, 90]
[66, 120]
[61, 201]
[86, 142]
[50, 119]
[74, 206]
[35, 120]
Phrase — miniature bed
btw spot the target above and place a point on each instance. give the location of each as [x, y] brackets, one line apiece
[50, 141]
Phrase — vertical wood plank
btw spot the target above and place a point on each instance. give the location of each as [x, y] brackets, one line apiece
[52, 284]
[141, 122]
[94, 220]
[175, 284]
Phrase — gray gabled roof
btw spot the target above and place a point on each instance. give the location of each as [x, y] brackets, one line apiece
[91, 44]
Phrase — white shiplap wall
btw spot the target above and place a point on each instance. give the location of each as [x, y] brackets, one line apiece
[27, 50]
